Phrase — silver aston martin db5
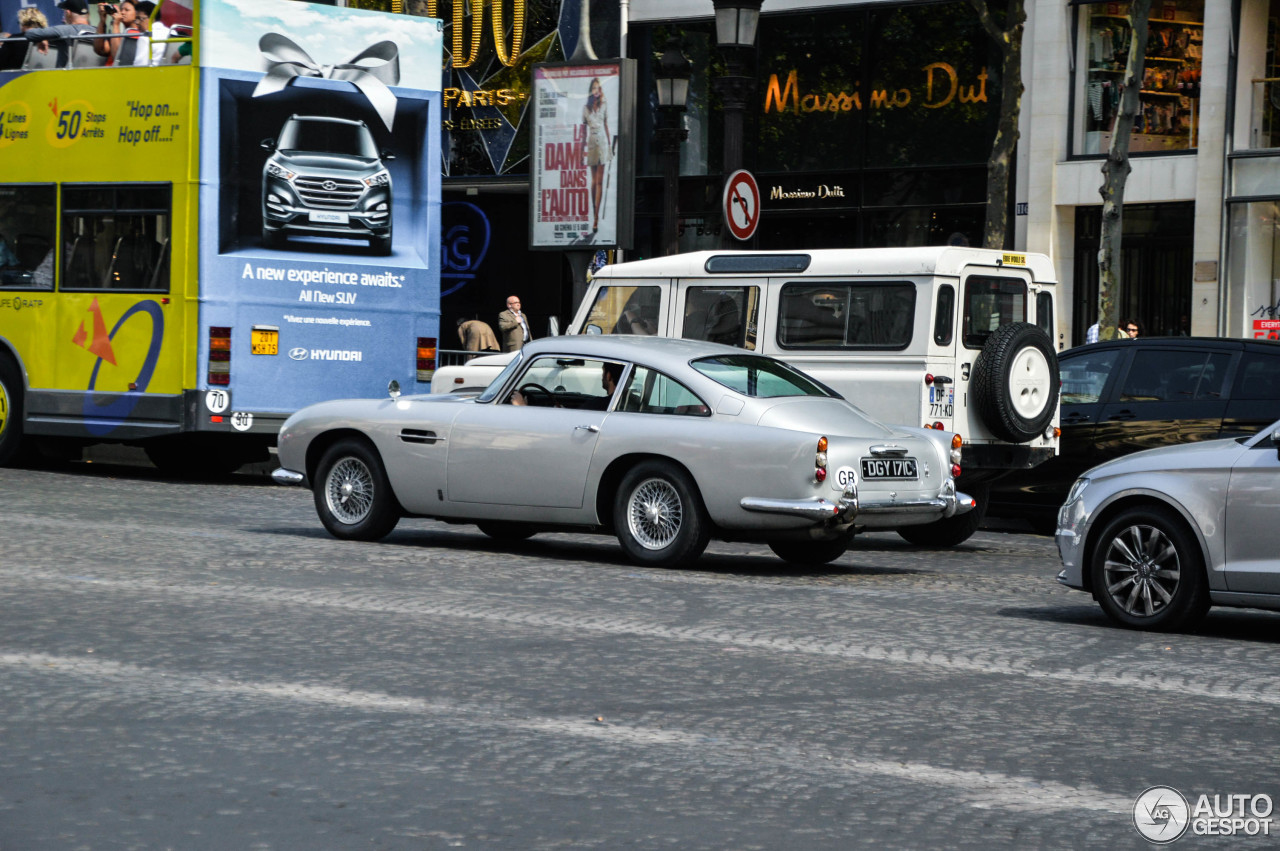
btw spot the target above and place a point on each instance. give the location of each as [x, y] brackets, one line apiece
[1159, 536]
[666, 443]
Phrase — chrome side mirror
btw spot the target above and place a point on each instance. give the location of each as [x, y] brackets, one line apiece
[594, 329]
[394, 389]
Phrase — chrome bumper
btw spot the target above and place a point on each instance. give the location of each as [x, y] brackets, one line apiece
[849, 507]
[281, 476]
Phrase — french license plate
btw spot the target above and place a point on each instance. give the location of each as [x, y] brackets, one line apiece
[329, 218]
[265, 341]
[889, 468]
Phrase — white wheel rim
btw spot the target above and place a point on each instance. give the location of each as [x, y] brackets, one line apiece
[348, 491]
[1029, 382]
[654, 514]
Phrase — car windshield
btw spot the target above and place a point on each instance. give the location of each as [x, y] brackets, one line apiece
[328, 137]
[766, 378]
[491, 392]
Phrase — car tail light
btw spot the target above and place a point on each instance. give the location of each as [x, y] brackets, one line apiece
[955, 471]
[820, 461]
[928, 378]
[219, 355]
[426, 358]
[957, 445]
[938, 425]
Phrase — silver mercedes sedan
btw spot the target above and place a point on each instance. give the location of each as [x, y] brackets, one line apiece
[1160, 536]
[666, 443]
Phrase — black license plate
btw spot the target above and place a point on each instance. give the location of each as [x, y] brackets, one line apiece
[889, 468]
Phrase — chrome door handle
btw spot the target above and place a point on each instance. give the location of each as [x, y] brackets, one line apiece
[591, 428]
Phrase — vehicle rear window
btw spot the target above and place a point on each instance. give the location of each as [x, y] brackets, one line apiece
[1259, 378]
[760, 377]
[989, 303]
[847, 316]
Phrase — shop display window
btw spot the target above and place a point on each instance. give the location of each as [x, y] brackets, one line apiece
[1168, 114]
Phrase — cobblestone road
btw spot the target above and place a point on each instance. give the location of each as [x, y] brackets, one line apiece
[200, 666]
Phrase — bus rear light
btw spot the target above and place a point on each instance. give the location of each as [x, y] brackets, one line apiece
[426, 358]
[928, 378]
[938, 426]
[219, 355]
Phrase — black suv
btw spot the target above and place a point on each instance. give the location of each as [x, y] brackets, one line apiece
[1125, 395]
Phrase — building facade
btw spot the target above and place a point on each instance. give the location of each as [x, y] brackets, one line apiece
[871, 124]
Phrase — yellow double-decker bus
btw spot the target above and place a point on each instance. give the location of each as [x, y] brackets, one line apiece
[244, 221]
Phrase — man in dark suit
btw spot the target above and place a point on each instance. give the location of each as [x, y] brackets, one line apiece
[514, 326]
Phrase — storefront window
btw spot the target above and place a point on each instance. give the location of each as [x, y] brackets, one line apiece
[1254, 270]
[1170, 99]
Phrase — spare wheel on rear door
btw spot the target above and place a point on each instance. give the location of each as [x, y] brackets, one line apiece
[1015, 382]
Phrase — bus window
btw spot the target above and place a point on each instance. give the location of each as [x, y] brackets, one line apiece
[28, 216]
[116, 237]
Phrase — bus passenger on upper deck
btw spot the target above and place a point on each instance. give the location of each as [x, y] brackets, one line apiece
[126, 18]
[75, 14]
[14, 53]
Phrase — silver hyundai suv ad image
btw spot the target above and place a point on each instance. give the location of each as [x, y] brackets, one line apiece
[326, 177]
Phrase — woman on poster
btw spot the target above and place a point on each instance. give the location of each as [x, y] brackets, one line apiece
[596, 116]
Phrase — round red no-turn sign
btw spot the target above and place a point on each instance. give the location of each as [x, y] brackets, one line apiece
[741, 204]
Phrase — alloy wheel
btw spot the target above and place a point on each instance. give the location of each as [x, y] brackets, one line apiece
[1142, 570]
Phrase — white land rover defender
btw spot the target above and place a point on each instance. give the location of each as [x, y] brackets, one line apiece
[951, 338]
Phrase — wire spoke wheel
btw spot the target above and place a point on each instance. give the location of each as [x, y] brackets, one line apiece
[1142, 570]
[349, 490]
[655, 513]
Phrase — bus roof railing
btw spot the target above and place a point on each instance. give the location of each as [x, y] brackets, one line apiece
[92, 37]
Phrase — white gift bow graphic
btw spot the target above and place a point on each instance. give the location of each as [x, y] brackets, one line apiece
[285, 60]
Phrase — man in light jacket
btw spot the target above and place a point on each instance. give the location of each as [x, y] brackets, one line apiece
[514, 326]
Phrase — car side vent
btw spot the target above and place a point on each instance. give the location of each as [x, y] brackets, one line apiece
[417, 435]
[742, 263]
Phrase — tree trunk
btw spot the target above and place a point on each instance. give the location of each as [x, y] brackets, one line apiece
[999, 172]
[1115, 173]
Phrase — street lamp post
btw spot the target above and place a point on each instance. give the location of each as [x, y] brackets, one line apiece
[673, 96]
[736, 22]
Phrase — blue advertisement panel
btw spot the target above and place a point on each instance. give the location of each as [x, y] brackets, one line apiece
[320, 199]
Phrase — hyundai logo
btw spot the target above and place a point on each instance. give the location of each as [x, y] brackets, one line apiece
[329, 186]
[298, 354]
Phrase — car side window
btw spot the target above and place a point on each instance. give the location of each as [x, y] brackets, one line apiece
[1258, 378]
[624, 310]
[1173, 376]
[944, 319]
[651, 392]
[557, 381]
[721, 315]
[847, 316]
[1085, 376]
[1044, 314]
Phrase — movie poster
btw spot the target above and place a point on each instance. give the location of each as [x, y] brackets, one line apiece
[581, 174]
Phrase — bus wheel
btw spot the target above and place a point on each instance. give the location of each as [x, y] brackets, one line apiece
[14, 446]
[352, 494]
